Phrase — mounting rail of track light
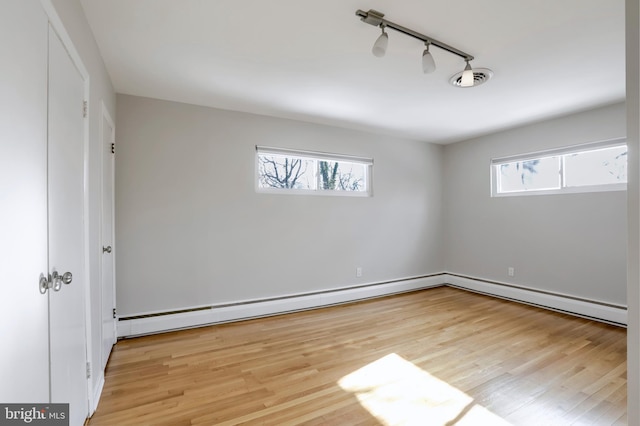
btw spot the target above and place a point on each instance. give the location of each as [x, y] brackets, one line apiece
[375, 18]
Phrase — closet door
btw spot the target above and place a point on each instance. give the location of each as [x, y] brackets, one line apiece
[41, 214]
[24, 324]
[67, 332]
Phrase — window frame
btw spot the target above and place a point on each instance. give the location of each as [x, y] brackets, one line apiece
[495, 164]
[315, 156]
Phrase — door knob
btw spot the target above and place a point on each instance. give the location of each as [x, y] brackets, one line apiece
[67, 277]
[43, 284]
[58, 279]
[106, 249]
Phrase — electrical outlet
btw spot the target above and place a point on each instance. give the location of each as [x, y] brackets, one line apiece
[358, 272]
[511, 271]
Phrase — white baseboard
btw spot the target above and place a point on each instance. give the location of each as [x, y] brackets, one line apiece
[260, 308]
[591, 309]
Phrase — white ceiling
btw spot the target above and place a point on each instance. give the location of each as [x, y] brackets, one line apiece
[312, 61]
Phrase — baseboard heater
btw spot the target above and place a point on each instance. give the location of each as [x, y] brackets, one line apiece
[157, 322]
[606, 312]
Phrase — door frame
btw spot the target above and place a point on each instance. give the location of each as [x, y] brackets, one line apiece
[56, 23]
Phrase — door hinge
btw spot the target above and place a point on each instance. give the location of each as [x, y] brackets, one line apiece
[114, 312]
[88, 370]
[113, 148]
[84, 109]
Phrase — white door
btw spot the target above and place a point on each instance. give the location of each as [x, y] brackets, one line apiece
[108, 247]
[24, 323]
[66, 232]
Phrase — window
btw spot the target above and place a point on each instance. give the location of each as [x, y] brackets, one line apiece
[304, 172]
[529, 175]
[600, 166]
[596, 167]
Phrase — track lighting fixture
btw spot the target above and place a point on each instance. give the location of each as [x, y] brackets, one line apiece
[375, 18]
[467, 76]
[428, 64]
[380, 46]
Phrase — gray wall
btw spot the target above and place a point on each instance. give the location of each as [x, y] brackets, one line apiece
[191, 229]
[573, 244]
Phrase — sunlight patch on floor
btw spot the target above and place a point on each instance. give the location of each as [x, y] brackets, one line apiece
[396, 392]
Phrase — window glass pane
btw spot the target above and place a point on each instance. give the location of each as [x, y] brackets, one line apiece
[280, 171]
[342, 176]
[529, 175]
[596, 167]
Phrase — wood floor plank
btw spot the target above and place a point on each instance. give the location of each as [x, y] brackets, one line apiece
[491, 357]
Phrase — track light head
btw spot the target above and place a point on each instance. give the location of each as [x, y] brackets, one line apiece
[380, 46]
[428, 64]
[467, 79]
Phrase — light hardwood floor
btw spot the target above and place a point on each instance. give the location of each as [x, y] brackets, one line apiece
[441, 356]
